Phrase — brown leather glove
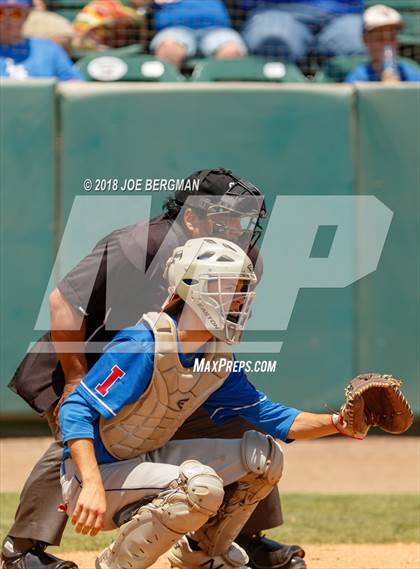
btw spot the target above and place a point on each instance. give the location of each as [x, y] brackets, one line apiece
[375, 400]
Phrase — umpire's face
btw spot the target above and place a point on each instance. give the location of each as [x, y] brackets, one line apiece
[220, 225]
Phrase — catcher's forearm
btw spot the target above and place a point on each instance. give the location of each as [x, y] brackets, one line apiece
[83, 455]
[68, 326]
[311, 426]
[89, 511]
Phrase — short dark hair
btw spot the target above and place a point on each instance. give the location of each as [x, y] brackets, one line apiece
[172, 207]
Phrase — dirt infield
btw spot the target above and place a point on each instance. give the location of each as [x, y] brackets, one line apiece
[395, 556]
[378, 465]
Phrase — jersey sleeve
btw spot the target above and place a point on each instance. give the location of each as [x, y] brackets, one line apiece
[238, 396]
[87, 279]
[77, 418]
[89, 285]
[121, 375]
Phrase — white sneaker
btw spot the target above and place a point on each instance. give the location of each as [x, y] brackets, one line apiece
[181, 555]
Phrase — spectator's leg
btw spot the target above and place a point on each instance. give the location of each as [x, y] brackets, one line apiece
[222, 43]
[277, 33]
[174, 45]
[228, 51]
[342, 35]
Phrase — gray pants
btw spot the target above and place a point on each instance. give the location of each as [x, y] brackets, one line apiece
[37, 517]
[129, 481]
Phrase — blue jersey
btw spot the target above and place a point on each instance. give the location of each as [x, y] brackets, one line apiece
[122, 375]
[195, 14]
[36, 57]
[365, 72]
[328, 6]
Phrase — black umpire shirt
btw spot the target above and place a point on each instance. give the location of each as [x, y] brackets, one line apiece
[137, 287]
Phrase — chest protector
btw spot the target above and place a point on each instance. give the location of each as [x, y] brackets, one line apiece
[173, 394]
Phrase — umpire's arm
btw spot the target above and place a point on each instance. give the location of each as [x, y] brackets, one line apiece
[67, 325]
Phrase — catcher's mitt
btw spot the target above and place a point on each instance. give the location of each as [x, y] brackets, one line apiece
[375, 400]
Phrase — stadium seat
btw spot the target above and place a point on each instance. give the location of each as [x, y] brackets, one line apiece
[128, 50]
[335, 69]
[114, 66]
[67, 8]
[246, 69]
[410, 35]
[399, 5]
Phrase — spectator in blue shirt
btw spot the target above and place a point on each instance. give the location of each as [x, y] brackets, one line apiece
[292, 29]
[381, 27]
[193, 27]
[22, 58]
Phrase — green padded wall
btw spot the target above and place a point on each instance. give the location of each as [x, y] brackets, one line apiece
[27, 216]
[287, 140]
[387, 330]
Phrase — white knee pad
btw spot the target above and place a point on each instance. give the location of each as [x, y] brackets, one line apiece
[196, 496]
[203, 486]
[262, 458]
[262, 455]
[188, 503]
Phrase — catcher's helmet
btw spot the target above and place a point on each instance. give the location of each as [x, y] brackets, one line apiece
[205, 260]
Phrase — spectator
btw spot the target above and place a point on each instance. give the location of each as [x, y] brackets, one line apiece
[293, 29]
[189, 27]
[107, 24]
[42, 23]
[381, 26]
[21, 57]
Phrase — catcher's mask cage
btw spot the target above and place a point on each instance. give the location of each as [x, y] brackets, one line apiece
[242, 199]
[206, 260]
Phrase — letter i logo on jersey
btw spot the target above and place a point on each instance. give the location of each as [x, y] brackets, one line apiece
[105, 386]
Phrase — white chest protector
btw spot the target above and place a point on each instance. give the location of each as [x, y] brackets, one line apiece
[173, 394]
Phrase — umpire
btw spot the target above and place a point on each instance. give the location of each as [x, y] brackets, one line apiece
[87, 309]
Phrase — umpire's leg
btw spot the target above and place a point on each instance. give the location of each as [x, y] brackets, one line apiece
[268, 513]
[37, 517]
[37, 522]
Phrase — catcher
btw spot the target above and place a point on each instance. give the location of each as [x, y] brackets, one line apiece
[190, 496]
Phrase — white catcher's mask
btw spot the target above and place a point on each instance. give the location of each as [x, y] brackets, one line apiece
[214, 277]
